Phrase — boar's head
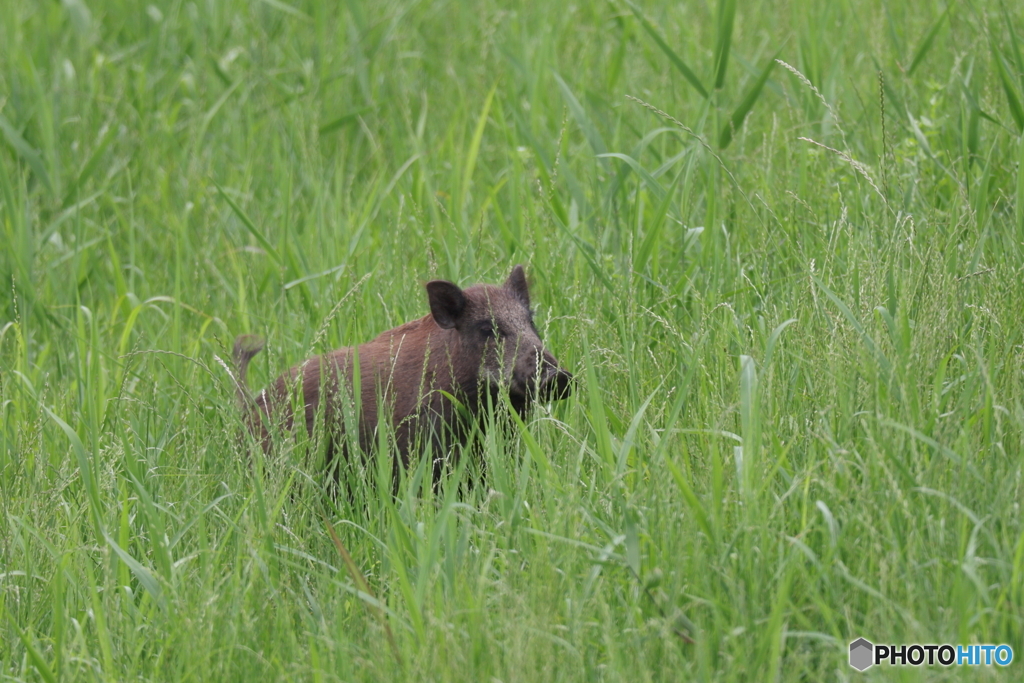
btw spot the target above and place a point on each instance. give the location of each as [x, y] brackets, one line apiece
[498, 345]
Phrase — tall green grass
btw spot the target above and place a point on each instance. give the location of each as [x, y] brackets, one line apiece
[779, 244]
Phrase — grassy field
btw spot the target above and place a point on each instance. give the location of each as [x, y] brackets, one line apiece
[792, 292]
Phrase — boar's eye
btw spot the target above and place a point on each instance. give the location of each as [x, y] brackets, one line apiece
[490, 331]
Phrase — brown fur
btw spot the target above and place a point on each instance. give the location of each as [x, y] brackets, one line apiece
[474, 343]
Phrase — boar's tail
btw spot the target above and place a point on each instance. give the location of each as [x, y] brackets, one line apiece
[246, 346]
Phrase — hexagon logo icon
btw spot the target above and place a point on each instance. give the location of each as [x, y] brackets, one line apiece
[861, 654]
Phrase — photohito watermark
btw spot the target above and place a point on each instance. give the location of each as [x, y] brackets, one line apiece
[865, 654]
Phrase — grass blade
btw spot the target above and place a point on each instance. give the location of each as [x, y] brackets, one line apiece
[735, 121]
[629, 439]
[474, 146]
[947, 452]
[84, 467]
[90, 165]
[25, 151]
[678, 63]
[1014, 42]
[656, 227]
[866, 339]
[359, 580]
[750, 422]
[38, 661]
[537, 453]
[926, 44]
[593, 137]
[146, 578]
[773, 339]
[726, 19]
[589, 253]
[249, 225]
[212, 112]
[100, 619]
[598, 416]
[1012, 99]
[972, 102]
[288, 9]
[648, 179]
[343, 120]
[1019, 208]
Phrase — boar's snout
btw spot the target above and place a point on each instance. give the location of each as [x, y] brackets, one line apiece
[555, 382]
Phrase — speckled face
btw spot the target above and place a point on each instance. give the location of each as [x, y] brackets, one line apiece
[512, 349]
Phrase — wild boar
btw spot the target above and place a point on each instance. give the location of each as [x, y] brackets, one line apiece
[431, 379]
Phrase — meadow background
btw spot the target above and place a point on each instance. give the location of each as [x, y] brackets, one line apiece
[792, 294]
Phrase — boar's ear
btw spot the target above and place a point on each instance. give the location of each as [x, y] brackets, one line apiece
[447, 302]
[516, 283]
